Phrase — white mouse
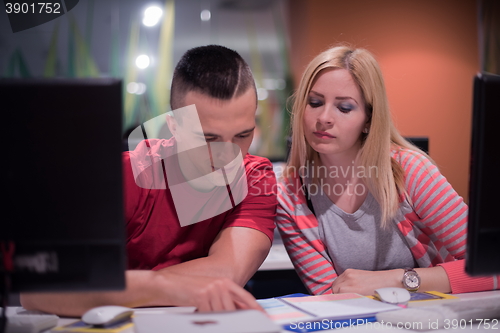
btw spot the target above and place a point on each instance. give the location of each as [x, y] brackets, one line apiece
[106, 315]
[393, 295]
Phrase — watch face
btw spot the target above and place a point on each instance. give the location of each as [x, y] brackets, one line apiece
[411, 280]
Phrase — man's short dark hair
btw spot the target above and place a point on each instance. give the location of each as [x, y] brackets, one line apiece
[213, 70]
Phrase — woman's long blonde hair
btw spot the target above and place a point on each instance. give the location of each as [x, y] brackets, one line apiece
[389, 185]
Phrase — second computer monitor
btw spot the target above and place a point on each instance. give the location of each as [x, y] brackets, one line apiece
[484, 188]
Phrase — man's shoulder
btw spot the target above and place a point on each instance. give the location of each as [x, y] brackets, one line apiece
[252, 161]
[258, 165]
[259, 169]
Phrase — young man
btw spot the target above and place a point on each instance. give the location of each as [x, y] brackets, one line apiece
[205, 261]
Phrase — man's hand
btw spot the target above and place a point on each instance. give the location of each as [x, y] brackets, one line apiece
[149, 288]
[208, 293]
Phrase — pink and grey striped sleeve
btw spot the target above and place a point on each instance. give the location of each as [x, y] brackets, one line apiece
[299, 229]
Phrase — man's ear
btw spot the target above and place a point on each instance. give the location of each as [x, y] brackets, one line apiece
[172, 124]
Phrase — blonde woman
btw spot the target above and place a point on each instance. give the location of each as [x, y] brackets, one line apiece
[360, 208]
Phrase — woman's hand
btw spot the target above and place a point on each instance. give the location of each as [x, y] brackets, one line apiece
[365, 282]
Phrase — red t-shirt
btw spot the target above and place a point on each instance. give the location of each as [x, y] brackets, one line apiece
[155, 238]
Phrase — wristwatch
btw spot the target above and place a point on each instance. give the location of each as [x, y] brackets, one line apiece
[411, 280]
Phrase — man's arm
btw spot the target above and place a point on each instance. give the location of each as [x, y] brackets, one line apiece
[140, 290]
[236, 253]
[149, 288]
[211, 283]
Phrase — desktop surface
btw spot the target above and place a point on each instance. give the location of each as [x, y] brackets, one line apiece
[369, 327]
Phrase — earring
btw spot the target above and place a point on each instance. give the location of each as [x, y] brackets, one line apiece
[365, 130]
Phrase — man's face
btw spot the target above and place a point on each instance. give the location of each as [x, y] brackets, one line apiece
[229, 121]
[227, 126]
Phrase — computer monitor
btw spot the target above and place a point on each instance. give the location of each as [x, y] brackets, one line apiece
[483, 238]
[62, 203]
[421, 142]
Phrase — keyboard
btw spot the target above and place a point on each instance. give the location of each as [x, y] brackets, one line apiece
[480, 312]
[20, 320]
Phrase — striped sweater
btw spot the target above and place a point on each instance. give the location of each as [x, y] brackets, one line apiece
[435, 229]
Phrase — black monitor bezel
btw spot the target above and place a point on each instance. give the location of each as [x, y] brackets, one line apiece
[84, 263]
[482, 242]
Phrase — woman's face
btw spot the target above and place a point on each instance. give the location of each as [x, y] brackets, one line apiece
[335, 114]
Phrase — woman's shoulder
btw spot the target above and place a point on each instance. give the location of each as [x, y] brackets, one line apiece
[290, 181]
[410, 159]
[290, 187]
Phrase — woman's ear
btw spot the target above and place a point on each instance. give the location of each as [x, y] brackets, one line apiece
[368, 123]
[366, 129]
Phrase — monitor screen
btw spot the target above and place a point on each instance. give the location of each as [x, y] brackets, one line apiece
[484, 185]
[62, 210]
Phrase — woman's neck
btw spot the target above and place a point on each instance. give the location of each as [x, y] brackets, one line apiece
[342, 180]
[342, 165]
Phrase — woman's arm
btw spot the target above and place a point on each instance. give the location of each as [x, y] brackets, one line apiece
[442, 221]
[299, 229]
[365, 282]
[443, 218]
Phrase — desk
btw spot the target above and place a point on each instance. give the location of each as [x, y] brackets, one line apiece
[370, 327]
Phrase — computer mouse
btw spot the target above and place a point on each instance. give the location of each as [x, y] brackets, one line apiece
[106, 315]
[393, 295]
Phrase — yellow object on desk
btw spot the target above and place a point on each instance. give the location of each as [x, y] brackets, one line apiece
[430, 298]
[427, 298]
[80, 327]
